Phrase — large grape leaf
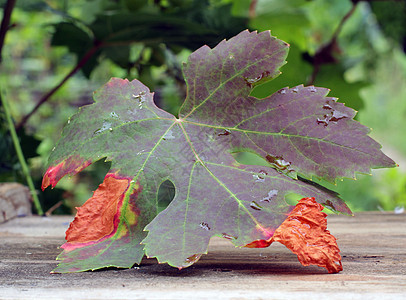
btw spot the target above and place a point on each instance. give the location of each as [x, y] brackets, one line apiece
[298, 131]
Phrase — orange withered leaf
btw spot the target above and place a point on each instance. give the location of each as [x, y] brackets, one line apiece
[305, 233]
[95, 219]
[111, 219]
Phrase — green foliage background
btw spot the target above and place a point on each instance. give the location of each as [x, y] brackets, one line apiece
[355, 48]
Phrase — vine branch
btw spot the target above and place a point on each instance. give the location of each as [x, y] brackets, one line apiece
[48, 95]
[5, 23]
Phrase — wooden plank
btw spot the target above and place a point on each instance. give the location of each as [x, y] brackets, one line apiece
[372, 245]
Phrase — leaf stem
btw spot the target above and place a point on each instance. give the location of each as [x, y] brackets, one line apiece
[20, 155]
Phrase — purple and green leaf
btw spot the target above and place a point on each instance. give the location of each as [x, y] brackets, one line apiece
[298, 131]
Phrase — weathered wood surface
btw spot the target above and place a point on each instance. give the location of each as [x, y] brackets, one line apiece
[373, 246]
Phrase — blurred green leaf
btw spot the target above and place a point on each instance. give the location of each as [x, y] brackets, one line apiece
[391, 16]
[292, 27]
[78, 42]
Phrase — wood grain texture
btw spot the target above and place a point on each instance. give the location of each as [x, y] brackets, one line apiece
[372, 246]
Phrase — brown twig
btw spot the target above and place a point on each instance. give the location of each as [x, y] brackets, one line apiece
[252, 9]
[325, 54]
[97, 45]
[5, 23]
[48, 95]
[344, 19]
[53, 208]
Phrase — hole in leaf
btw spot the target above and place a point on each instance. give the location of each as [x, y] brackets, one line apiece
[249, 158]
[94, 174]
[276, 162]
[293, 198]
[166, 193]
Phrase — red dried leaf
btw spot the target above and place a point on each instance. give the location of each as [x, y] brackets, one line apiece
[70, 166]
[305, 233]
